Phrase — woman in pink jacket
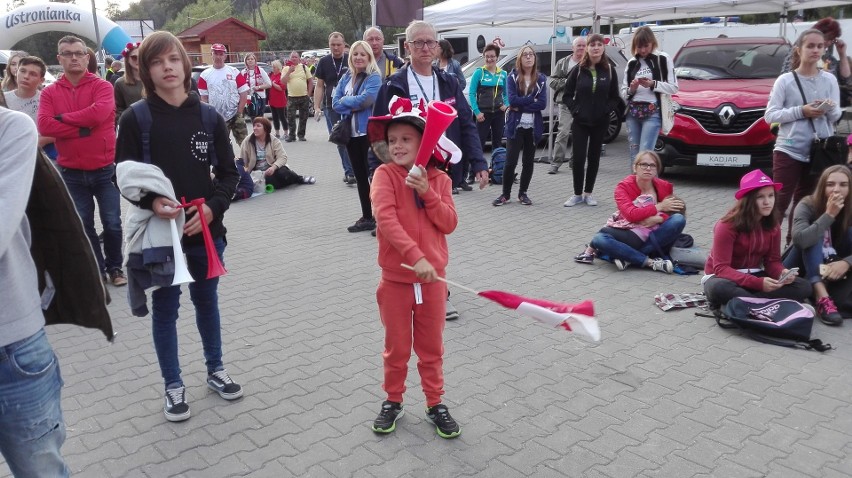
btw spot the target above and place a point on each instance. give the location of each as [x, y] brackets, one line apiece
[745, 260]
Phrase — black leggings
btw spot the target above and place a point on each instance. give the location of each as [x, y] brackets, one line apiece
[587, 141]
[357, 149]
[522, 143]
[279, 117]
[284, 176]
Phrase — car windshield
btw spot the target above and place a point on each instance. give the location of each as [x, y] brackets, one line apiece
[721, 62]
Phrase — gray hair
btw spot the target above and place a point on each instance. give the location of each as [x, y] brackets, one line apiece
[416, 26]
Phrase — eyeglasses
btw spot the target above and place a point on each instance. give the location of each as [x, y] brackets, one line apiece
[73, 54]
[647, 165]
[528, 55]
[419, 44]
[490, 57]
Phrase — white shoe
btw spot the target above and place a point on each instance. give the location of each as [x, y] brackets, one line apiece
[573, 201]
[662, 265]
[621, 264]
[590, 201]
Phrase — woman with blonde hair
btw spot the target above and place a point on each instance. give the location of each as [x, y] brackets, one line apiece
[10, 82]
[822, 243]
[258, 82]
[353, 98]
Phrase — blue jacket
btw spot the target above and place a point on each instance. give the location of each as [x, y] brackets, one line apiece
[533, 103]
[361, 102]
[455, 68]
[462, 131]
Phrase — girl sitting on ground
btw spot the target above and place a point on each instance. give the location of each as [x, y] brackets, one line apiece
[745, 259]
[261, 151]
[822, 242]
[649, 219]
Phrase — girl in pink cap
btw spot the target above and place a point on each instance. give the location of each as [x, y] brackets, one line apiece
[745, 259]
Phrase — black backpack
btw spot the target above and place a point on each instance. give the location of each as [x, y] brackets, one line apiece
[782, 322]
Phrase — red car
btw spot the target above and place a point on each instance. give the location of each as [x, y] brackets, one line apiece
[724, 88]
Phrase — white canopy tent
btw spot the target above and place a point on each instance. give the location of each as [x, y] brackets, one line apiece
[453, 14]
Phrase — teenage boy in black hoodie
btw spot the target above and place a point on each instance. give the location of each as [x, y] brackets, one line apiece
[179, 146]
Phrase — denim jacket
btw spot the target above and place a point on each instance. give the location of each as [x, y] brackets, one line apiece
[360, 103]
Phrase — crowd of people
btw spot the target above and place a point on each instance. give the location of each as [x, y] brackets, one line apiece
[384, 103]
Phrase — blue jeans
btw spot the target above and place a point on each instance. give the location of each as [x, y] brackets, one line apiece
[85, 187]
[642, 134]
[332, 117]
[665, 235]
[31, 427]
[811, 258]
[205, 297]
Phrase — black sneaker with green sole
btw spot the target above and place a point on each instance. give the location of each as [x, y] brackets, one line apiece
[386, 421]
[440, 416]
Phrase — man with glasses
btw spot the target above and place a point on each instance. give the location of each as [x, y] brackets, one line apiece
[329, 71]
[557, 83]
[421, 80]
[227, 90]
[78, 110]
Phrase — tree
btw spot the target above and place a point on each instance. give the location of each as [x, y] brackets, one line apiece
[294, 28]
[197, 12]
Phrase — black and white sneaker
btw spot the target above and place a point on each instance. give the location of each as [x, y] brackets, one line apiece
[446, 427]
[221, 383]
[176, 409]
[389, 414]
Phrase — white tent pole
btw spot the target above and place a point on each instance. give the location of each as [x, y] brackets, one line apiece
[550, 93]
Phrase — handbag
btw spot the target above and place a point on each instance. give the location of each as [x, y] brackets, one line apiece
[253, 105]
[341, 132]
[824, 152]
[667, 113]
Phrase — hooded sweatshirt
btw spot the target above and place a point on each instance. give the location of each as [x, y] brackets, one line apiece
[179, 147]
[410, 226]
[82, 119]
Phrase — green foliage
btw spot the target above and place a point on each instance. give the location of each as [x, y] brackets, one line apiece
[291, 27]
[199, 11]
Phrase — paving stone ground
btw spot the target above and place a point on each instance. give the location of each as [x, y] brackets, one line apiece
[664, 394]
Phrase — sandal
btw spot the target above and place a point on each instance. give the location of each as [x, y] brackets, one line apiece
[309, 180]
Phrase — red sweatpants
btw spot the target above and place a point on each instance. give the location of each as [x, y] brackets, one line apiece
[408, 323]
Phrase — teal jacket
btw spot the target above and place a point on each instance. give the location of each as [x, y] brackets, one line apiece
[487, 91]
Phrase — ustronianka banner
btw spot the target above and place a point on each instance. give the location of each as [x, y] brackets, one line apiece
[44, 17]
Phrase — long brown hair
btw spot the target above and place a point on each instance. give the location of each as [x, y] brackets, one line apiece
[155, 45]
[745, 216]
[796, 59]
[586, 62]
[522, 82]
[819, 198]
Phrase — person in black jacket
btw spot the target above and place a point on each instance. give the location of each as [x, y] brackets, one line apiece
[590, 94]
[180, 146]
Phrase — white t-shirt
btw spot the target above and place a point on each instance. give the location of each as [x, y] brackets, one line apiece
[644, 94]
[348, 91]
[429, 90]
[223, 87]
[28, 106]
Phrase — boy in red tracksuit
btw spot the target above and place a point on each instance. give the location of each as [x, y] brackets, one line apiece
[414, 213]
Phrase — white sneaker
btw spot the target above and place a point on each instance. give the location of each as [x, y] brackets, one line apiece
[662, 265]
[621, 264]
[573, 201]
[590, 201]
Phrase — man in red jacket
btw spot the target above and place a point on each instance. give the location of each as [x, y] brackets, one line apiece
[79, 111]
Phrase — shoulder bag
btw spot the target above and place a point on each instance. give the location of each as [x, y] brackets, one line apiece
[341, 132]
[824, 152]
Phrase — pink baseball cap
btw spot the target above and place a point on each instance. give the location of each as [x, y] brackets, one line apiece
[755, 180]
[218, 47]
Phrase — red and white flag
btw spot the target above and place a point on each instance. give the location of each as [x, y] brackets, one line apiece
[578, 318]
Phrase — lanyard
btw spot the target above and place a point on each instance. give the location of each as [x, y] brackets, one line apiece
[421, 86]
[337, 68]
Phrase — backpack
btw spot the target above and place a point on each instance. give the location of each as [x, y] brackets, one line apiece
[782, 322]
[498, 160]
[209, 118]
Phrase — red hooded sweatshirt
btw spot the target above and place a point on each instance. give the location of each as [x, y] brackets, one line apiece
[85, 134]
[410, 227]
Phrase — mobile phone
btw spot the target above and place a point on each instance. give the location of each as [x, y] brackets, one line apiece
[824, 105]
[787, 274]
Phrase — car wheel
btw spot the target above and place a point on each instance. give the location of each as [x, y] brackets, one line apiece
[613, 127]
